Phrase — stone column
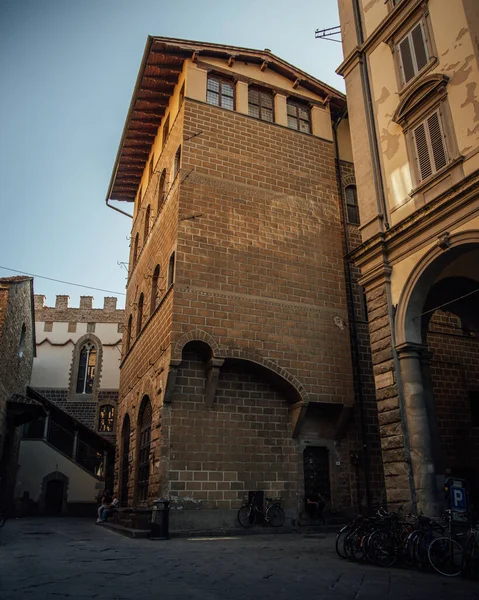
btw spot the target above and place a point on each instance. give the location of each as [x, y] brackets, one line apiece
[418, 429]
[46, 427]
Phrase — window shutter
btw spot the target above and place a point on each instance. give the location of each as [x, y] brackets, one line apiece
[437, 141]
[422, 151]
[420, 49]
[406, 60]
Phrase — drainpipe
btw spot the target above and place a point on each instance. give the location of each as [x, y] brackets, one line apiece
[118, 209]
[353, 324]
[368, 103]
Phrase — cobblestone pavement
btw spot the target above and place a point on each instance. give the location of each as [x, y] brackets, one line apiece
[53, 559]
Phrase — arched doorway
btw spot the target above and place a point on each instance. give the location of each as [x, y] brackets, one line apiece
[144, 438]
[437, 328]
[53, 499]
[54, 493]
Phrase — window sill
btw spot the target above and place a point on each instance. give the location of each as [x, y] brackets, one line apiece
[432, 180]
[407, 86]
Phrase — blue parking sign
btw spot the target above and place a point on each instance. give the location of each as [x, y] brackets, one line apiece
[458, 499]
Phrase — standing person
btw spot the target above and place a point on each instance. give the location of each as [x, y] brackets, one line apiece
[315, 504]
[106, 499]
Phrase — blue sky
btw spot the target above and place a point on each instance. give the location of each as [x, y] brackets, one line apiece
[68, 68]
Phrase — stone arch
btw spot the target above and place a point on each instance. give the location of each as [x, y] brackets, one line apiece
[88, 337]
[421, 279]
[270, 365]
[54, 475]
[191, 336]
[347, 180]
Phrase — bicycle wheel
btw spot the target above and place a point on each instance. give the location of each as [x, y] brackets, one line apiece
[341, 540]
[275, 515]
[246, 516]
[446, 556]
[381, 549]
[471, 558]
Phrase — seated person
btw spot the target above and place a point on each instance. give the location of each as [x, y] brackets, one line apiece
[108, 509]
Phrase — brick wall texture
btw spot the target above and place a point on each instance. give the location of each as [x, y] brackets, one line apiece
[254, 219]
[15, 370]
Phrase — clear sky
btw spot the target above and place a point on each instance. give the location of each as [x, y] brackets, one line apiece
[67, 72]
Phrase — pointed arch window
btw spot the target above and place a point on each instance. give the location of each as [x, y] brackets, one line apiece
[139, 320]
[177, 162]
[162, 190]
[155, 289]
[125, 460]
[144, 431]
[128, 333]
[135, 248]
[171, 270]
[86, 369]
[147, 223]
[106, 418]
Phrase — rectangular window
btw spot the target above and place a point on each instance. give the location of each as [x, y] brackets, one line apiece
[430, 146]
[150, 167]
[299, 116]
[220, 92]
[166, 129]
[260, 105]
[352, 205]
[413, 53]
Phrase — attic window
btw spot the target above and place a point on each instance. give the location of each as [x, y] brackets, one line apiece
[220, 92]
[299, 116]
[166, 129]
[260, 105]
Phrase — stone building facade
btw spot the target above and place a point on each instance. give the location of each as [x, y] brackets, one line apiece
[17, 349]
[236, 373]
[411, 70]
[78, 352]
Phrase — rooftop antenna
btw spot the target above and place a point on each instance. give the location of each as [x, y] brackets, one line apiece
[329, 34]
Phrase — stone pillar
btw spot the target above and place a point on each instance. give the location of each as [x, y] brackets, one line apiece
[418, 429]
[75, 445]
[46, 427]
[105, 464]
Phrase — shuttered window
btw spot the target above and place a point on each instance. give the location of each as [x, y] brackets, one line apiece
[430, 145]
[413, 52]
[260, 105]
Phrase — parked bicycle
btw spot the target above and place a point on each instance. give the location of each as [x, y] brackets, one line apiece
[272, 512]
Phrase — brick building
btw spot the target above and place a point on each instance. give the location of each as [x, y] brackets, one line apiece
[17, 349]
[236, 372]
[411, 70]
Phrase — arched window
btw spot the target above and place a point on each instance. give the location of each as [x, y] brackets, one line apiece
[352, 205]
[155, 289]
[171, 270]
[144, 436]
[86, 369]
[162, 190]
[139, 317]
[147, 224]
[135, 248]
[177, 162]
[106, 418]
[125, 460]
[128, 333]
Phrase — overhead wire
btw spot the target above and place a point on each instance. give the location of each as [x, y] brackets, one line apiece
[87, 287]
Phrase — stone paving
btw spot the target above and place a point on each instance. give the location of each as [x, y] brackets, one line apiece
[53, 559]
